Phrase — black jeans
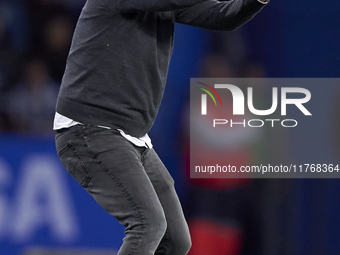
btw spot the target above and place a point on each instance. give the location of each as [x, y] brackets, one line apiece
[132, 184]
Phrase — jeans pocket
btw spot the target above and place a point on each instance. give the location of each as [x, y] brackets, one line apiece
[72, 161]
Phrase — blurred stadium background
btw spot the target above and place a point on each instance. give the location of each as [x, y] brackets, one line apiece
[44, 212]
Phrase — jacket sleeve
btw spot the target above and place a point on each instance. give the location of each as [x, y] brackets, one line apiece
[127, 6]
[217, 15]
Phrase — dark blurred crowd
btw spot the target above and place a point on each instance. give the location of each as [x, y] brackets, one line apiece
[35, 37]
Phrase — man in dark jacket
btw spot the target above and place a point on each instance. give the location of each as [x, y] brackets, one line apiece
[109, 98]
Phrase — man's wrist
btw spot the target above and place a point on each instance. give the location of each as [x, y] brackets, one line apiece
[263, 1]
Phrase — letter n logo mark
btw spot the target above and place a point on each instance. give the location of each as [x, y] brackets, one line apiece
[204, 97]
